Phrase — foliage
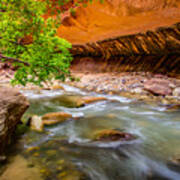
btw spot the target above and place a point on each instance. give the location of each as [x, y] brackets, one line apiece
[31, 42]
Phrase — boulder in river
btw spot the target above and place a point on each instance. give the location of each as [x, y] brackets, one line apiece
[113, 135]
[37, 123]
[76, 101]
[12, 106]
[158, 86]
[88, 100]
[72, 101]
[173, 107]
[55, 117]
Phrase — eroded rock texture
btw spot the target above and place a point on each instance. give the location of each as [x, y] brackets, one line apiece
[125, 35]
[115, 18]
[155, 51]
[161, 41]
[12, 106]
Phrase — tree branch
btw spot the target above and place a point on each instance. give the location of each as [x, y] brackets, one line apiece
[13, 60]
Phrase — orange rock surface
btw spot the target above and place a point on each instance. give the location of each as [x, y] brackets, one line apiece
[89, 100]
[117, 17]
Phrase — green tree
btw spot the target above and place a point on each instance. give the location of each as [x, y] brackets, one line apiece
[46, 55]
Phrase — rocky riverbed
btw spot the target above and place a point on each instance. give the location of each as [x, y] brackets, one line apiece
[140, 85]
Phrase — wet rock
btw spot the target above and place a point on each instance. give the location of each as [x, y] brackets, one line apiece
[174, 163]
[72, 101]
[158, 86]
[12, 106]
[37, 123]
[55, 117]
[176, 160]
[176, 92]
[134, 86]
[113, 135]
[173, 107]
[88, 100]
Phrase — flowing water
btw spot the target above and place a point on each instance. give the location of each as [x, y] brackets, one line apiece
[66, 151]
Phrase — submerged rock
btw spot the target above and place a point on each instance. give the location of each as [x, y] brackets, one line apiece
[55, 117]
[12, 106]
[19, 169]
[113, 135]
[76, 101]
[72, 101]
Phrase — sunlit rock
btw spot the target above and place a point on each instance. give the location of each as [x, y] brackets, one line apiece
[37, 123]
[55, 117]
[88, 100]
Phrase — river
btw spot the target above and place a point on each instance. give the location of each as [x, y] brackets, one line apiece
[66, 151]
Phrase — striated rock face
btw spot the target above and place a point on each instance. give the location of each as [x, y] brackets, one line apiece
[12, 106]
[125, 35]
[155, 51]
[160, 42]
